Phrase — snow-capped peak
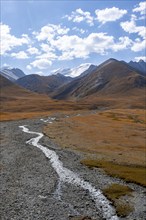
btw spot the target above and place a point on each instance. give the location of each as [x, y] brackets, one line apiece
[75, 72]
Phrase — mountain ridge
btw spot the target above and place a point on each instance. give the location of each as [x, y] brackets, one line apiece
[12, 74]
[112, 77]
[42, 84]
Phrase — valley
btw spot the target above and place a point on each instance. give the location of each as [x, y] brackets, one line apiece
[36, 185]
[74, 147]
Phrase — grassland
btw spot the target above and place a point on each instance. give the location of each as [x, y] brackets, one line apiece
[113, 140]
[32, 105]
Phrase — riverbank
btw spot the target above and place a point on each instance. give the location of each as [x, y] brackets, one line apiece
[30, 187]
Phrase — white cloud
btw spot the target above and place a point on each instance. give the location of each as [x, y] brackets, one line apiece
[33, 51]
[20, 55]
[46, 47]
[28, 67]
[68, 47]
[6, 65]
[48, 52]
[138, 46]
[110, 14]
[79, 15]
[124, 43]
[9, 41]
[130, 27]
[41, 64]
[99, 43]
[50, 31]
[141, 8]
[140, 58]
[80, 30]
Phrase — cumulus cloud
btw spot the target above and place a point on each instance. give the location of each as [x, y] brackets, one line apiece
[20, 55]
[99, 43]
[68, 47]
[33, 51]
[131, 27]
[141, 8]
[140, 58]
[123, 43]
[110, 14]
[41, 64]
[50, 31]
[28, 67]
[79, 15]
[9, 41]
[45, 47]
[138, 46]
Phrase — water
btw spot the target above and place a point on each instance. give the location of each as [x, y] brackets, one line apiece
[68, 176]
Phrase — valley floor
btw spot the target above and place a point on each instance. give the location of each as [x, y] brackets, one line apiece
[31, 188]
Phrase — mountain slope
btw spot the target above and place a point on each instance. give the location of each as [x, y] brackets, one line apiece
[19, 103]
[42, 84]
[139, 66]
[12, 74]
[111, 78]
[11, 91]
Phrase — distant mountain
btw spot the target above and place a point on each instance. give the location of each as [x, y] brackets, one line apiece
[12, 74]
[9, 90]
[111, 78]
[43, 84]
[139, 66]
[81, 70]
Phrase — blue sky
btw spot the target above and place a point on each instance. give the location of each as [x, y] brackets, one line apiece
[40, 36]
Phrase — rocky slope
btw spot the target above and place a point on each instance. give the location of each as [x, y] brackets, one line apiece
[110, 78]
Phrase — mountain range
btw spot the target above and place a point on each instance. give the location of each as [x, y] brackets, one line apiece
[78, 71]
[43, 84]
[112, 78]
[139, 66]
[12, 73]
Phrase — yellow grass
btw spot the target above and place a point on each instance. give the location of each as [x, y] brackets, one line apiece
[114, 192]
[136, 174]
[119, 144]
[121, 141]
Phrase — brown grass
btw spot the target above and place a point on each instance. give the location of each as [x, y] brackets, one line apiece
[119, 144]
[33, 105]
[123, 209]
[121, 141]
[134, 174]
[18, 103]
[114, 192]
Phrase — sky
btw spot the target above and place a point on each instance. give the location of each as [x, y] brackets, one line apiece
[41, 36]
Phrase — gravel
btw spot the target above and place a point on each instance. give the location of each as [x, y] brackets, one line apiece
[31, 189]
